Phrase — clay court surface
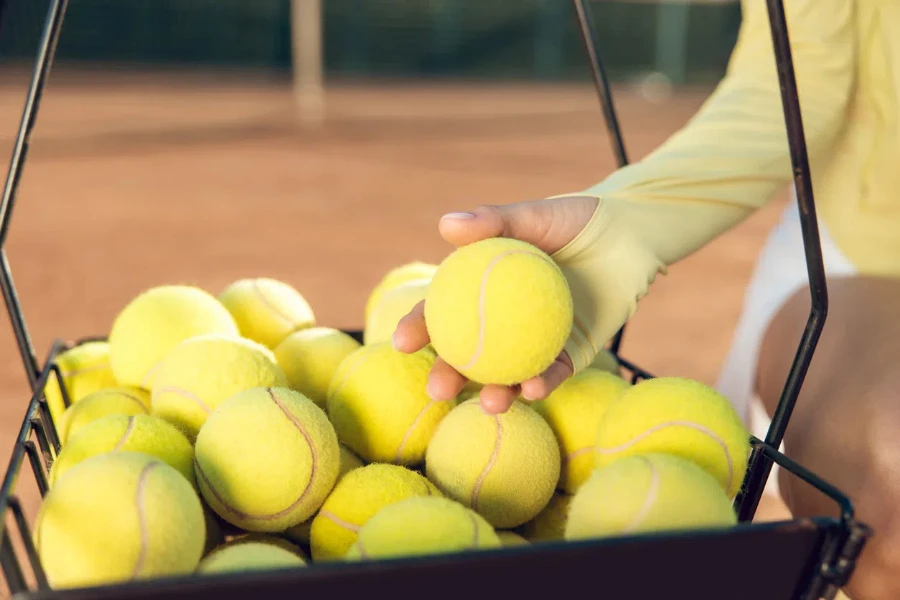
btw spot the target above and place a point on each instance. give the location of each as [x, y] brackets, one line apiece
[139, 179]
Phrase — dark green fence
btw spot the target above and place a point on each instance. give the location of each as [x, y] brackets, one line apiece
[384, 38]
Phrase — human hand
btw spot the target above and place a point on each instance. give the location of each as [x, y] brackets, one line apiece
[547, 224]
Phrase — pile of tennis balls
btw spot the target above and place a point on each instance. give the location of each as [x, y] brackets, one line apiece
[213, 434]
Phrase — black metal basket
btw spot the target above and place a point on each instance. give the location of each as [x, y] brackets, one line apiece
[801, 559]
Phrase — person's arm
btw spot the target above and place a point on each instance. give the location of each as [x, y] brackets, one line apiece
[727, 161]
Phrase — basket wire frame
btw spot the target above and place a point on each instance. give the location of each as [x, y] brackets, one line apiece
[38, 439]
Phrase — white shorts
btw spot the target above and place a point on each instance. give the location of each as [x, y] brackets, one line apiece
[780, 271]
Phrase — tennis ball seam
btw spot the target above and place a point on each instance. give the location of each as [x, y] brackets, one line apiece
[495, 453]
[268, 304]
[676, 423]
[362, 549]
[128, 429]
[309, 484]
[357, 360]
[339, 521]
[121, 392]
[412, 427]
[187, 394]
[649, 501]
[482, 300]
[577, 453]
[148, 376]
[142, 517]
[474, 530]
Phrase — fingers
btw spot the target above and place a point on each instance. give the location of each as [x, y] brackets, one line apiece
[526, 221]
[444, 383]
[496, 399]
[548, 224]
[538, 388]
[411, 334]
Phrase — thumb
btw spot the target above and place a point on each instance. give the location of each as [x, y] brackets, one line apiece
[547, 224]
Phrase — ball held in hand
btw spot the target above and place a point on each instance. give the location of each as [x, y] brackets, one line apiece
[499, 311]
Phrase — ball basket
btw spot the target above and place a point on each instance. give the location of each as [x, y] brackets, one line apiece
[801, 559]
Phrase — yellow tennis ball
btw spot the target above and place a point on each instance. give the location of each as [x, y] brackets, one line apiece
[393, 305]
[356, 499]
[251, 553]
[398, 276]
[505, 466]
[349, 462]
[113, 401]
[155, 322]
[422, 526]
[550, 524]
[677, 416]
[267, 310]
[607, 361]
[498, 311]
[202, 372]
[119, 517]
[573, 412]
[135, 433]
[379, 404]
[84, 369]
[266, 458]
[310, 357]
[648, 493]
[510, 539]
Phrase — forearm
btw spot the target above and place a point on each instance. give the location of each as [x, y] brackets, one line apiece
[733, 156]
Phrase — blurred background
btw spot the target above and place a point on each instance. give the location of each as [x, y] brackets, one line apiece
[201, 141]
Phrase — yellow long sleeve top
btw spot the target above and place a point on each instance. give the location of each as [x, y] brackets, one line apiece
[732, 157]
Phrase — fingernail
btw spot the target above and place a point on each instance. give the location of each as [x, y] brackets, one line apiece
[429, 389]
[460, 216]
[394, 341]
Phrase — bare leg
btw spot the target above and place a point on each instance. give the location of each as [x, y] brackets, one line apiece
[846, 425]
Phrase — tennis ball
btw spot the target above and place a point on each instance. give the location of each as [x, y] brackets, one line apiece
[677, 416]
[357, 498]
[155, 322]
[422, 526]
[379, 406]
[607, 361]
[266, 310]
[648, 493]
[251, 553]
[504, 466]
[398, 276]
[550, 524]
[118, 517]
[499, 311]
[84, 369]
[573, 412]
[135, 433]
[393, 305]
[310, 357]
[509, 539]
[202, 372]
[266, 458]
[349, 461]
[113, 401]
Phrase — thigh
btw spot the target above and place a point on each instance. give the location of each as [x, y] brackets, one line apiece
[845, 423]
